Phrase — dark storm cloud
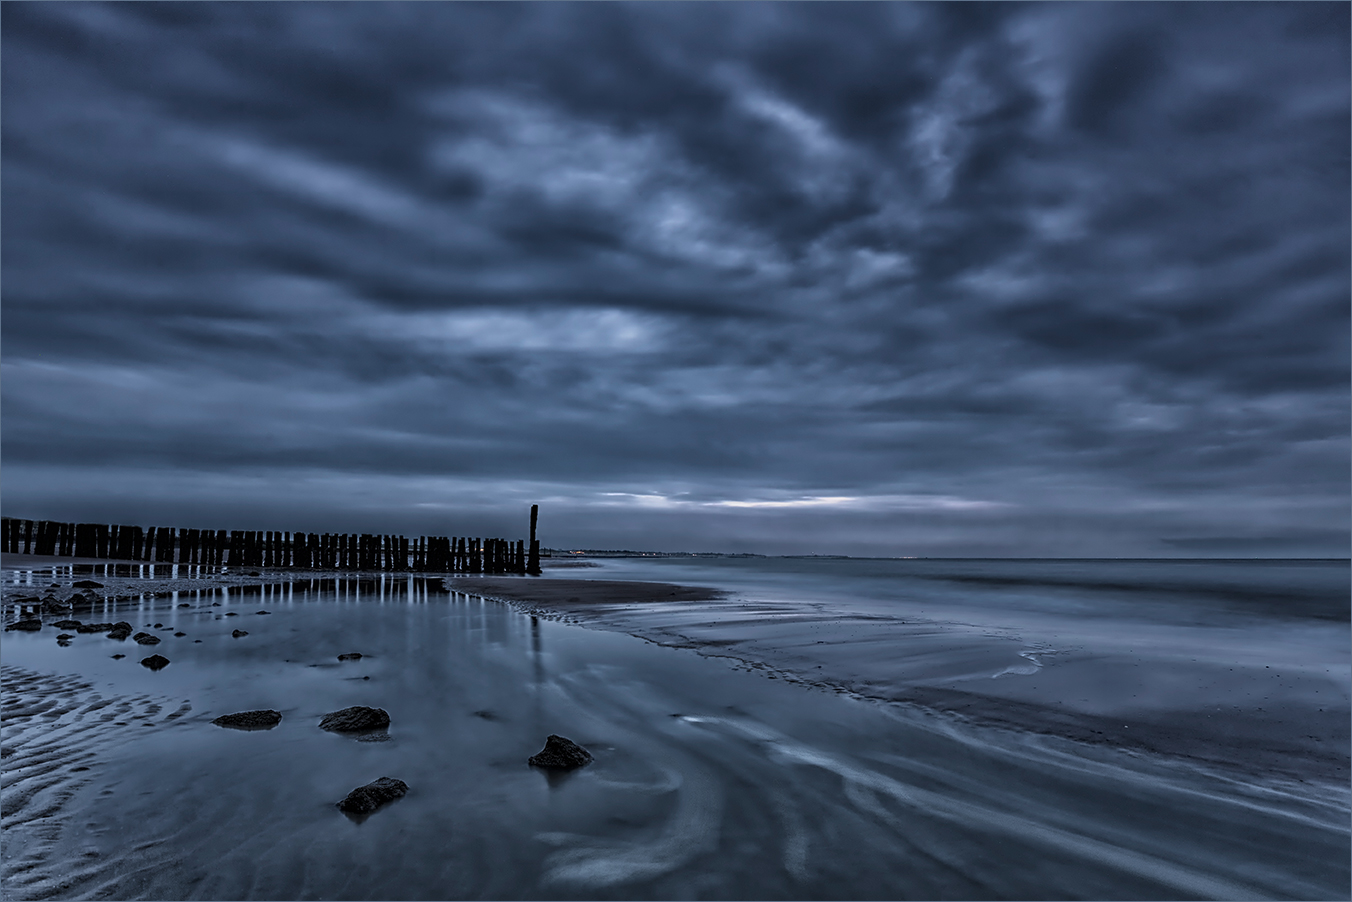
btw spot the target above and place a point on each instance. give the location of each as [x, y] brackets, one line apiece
[873, 278]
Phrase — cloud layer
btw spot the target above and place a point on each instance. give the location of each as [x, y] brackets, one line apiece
[884, 279]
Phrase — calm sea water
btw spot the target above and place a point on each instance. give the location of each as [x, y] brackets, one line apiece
[725, 768]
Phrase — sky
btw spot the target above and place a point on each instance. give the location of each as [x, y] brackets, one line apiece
[882, 279]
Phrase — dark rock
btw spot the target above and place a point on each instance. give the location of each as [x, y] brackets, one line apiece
[560, 753]
[253, 573]
[67, 624]
[155, 662]
[231, 614]
[215, 604]
[159, 626]
[86, 584]
[120, 630]
[64, 636]
[180, 634]
[27, 625]
[118, 656]
[350, 656]
[146, 639]
[185, 605]
[355, 719]
[238, 633]
[197, 642]
[250, 720]
[93, 627]
[366, 799]
[265, 612]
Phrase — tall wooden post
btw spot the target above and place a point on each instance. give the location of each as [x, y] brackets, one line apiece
[533, 565]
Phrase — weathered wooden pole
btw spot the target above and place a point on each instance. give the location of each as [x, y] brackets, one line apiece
[533, 565]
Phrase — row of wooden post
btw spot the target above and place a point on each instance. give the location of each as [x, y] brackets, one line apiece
[299, 550]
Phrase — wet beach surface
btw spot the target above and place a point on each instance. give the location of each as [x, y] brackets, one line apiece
[713, 778]
[1240, 664]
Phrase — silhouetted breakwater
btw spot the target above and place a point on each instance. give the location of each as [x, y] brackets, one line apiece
[292, 550]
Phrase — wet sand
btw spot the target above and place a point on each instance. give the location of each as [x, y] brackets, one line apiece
[725, 774]
[1289, 724]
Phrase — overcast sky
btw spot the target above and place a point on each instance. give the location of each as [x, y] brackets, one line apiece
[879, 279]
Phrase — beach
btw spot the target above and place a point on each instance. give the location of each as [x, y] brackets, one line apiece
[792, 731]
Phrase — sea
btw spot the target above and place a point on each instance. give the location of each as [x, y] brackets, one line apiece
[819, 728]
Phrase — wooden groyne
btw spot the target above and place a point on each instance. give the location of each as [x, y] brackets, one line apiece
[291, 550]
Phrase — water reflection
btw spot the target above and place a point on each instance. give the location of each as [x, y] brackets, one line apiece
[754, 790]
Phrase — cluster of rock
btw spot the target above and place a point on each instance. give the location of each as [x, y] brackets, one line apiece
[120, 630]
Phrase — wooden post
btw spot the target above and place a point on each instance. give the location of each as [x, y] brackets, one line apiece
[533, 565]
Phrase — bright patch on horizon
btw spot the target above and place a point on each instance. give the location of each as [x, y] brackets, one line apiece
[847, 502]
[811, 501]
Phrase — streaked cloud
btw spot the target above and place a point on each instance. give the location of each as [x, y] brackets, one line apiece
[868, 278]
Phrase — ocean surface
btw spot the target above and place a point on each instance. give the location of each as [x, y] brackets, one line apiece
[826, 728]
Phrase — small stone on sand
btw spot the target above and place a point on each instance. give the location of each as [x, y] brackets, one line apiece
[366, 799]
[155, 662]
[250, 720]
[355, 719]
[560, 753]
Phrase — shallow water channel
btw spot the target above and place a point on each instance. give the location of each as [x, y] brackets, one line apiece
[709, 780]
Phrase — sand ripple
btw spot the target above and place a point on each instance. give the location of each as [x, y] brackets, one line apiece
[57, 731]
